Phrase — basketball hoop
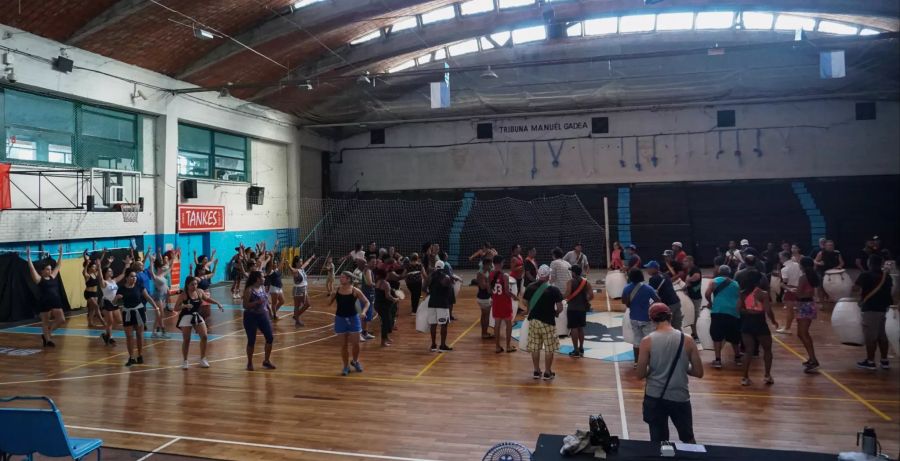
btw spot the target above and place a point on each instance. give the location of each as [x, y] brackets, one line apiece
[129, 211]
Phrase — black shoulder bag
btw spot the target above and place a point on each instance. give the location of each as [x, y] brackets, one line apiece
[652, 403]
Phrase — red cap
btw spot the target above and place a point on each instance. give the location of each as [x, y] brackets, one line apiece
[659, 308]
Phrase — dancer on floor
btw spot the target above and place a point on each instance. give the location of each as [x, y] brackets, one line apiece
[440, 288]
[394, 273]
[204, 276]
[414, 272]
[276, 289]
[579, 294]
[874, 288]
[501, 305]
[632, 258]
[237, 263]
[346, 321]
[790, 281]
[188, 305]
[486, 251]
[694, 280]
[50, 305]
[576, 257]
[755, 308]
[638, 296]
[483, 296]
[367, 286]
[543, 303]
[109, 286]
[806, 310]
[531, 267]
[91, 274]
[616, 263]
[517, 267]
[256, 318]
[384, 305]
[723, 294]
[134, 315]
[301, 283]
[328, 269]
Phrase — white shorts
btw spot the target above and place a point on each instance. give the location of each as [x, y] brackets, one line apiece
[189, 321]
[299, 291]
[276, 290]
[438, 316]
[484, 303]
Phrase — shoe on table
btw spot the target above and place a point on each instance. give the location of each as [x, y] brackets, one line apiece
[204, 363]
[185, 365]
[866, 365]
[885, 364]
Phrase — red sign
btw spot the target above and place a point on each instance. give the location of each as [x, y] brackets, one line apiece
[201, 218]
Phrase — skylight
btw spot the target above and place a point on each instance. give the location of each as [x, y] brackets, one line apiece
[714, 20]
[869, 32]
[404, 24]
[837, 28]
[465, 47]
[402, 66]
[788, 22]
[502, 38]
[486, 44]
[574, 30]
[514, 3]
[528, 34]
[637, 23]
[422, 60]
[302, 3]
[476, 6]
[601, 26]
[754, 20]
[440, 14]
[675, 21]
[440, 54]
[368, 37]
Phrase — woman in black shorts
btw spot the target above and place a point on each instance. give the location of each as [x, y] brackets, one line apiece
[50, 306]
[134, 315]
[579, 294]
[189, 305]
[91, 274]
[755, 308]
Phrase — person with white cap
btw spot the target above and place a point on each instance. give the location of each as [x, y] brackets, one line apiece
[678, 249]
[544, 304]
[440, 288]
[733, 256]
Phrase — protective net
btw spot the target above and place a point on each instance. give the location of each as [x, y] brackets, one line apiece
[460, 227]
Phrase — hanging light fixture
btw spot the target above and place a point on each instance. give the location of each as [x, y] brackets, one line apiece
[489, 74]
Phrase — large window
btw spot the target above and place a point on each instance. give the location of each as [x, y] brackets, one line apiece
[46, 130]
[204, 153]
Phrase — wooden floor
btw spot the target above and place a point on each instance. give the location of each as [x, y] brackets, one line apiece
[413, 404]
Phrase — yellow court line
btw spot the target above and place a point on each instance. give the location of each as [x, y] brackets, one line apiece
[839, 384]
[436, 359]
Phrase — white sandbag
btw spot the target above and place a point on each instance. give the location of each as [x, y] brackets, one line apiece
[514, 291]
[457, 285]
[687, 308]
[846, 320]
[774, 287]
[892, 328]
[837, 283]
[704, 284]
[562, 321]
[615, 283]
[704, 321]
[523, 336]
[422, 317]
[627, 333]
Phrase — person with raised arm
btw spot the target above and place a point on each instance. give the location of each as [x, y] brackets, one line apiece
[50, 305]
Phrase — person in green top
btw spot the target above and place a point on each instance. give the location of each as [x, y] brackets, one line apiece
[722, 295]
[544, 304]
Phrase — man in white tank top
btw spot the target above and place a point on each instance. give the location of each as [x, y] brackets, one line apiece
[666, 363]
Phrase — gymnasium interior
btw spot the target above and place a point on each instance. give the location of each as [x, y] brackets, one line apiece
[202, 129]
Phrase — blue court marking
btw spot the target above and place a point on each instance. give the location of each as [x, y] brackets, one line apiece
[116, 334]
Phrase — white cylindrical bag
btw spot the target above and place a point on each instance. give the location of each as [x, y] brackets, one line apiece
[892, 328]
[847, 322]
[422, 317]
[627, 332]
[704, 284]
[523, 336]
[562, 321]
[687, 308]
[774, 287]
[704, 322]
[615, 283]
[837, 283]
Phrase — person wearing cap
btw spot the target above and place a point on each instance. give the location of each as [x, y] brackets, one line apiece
[694, 280]
[662, 283]
[576, 257]
[815, 251]
[673, 269]
[733, 256]
[862, 259]
[722, 295]
[543, 302]
[678, 249]
[440, 288]
[638, 296]
[579, 294]
[667, 357]
[632, 258]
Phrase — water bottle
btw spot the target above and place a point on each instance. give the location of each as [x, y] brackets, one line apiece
[869, 441]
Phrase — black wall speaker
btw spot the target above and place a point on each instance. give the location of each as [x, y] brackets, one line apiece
[484, 131]
[599, 125]
[376, 136]
[63, 64]
[189, 188]
[725, 119]
[255, 195]
[89, 203]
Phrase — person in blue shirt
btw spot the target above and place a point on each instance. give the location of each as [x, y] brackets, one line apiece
[638, 296]
[722, 295]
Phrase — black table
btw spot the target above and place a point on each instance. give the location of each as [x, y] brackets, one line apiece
[548, 445]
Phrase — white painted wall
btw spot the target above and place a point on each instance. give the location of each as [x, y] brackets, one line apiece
[275, 139]
[797, 139]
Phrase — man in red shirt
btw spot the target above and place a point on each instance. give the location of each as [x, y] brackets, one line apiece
[677, 248]
[517, 266]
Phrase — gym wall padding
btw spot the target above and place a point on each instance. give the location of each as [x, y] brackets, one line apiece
[18, 293]
[70, 271]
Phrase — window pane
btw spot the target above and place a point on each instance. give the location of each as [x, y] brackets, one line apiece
[365, 38]
[421, 60]
[502, 38]
[476, 6]
[59, 154]
[637, 23]
[21, 149]
[529, 34]
[193, 164]
[403, 66]
[440, 54]
[486, 44]
[514, 3]
[869, 32]
[714, 20]
[303, 3]
[230, 163]
[787, 22]
[440, 14]
[601, 26]
[675, 21]
[107, 124]
[230, 140]
[837, 28]
[38, 146]
[408, 23]
[35, 111]
[227, 152]
[574, 30]
[754, 20]
[229, 175]
[461, 48]
[108, 154]
[194, 139]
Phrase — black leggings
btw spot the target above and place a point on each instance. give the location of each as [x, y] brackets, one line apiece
[254, 321]
[415, 293]
[386, 312]
[657, 418]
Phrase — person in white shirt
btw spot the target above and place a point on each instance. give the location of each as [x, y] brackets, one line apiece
[559, 270]
[790, 280]
[576, 257]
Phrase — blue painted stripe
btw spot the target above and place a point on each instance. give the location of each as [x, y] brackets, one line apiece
[623, 215]
[456, 228]
[173, 336]
[817, 225]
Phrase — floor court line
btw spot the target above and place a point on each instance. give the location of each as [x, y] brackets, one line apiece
[177, 438]
[159, 449]
[438, 358]
[839, 384]
[619, 392]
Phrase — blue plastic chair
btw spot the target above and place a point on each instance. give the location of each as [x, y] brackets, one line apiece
[26, 431]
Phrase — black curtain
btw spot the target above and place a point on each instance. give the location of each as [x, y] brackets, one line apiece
[18, 293]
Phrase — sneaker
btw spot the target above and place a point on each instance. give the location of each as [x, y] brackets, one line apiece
[112, 342]
[204, 363]
[885, 365]
[345, 371]
[130, 362]
[299, 323]
[699, 346]
[549, 375]
[739, 361]
[717, 363]
[445, 348]
[185, 365]
[154, 335]
[362, 338]
[104, 338]
[783, 331]
[537, 374]
[356, 366]
[581, 352]
[434, 348]
[810, 367]
[866, 365]
[574, 353]
[163, 334]
[369, 335]
[140, 360]
[268, 365]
